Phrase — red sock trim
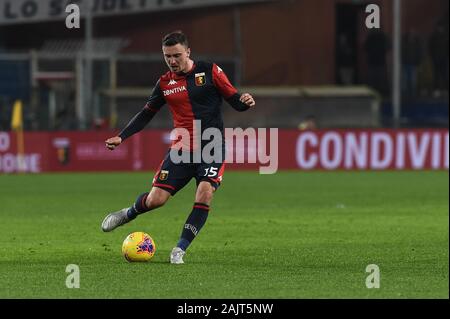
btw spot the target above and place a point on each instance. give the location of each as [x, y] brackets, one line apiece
[201, 206]
[144, 199]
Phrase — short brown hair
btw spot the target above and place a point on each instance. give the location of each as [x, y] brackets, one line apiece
[174, 38]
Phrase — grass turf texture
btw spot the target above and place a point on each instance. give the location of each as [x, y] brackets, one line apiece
[288, 235]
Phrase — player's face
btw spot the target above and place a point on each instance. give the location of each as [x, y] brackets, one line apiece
[177, 57]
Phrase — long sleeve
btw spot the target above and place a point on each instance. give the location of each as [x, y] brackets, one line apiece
[227, 90]
[137, 123]
[141, 119]
[236, 103]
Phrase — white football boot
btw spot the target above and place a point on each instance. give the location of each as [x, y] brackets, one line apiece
[114, 220]
[176, 256]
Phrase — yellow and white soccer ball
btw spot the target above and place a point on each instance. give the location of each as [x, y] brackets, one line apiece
[138, 246]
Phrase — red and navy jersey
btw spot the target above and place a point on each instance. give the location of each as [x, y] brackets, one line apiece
[196, 95]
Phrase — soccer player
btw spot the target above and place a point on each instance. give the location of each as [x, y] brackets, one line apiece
[194, 91]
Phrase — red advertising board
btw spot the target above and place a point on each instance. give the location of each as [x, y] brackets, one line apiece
[367, 150]
[263, 149]
[36, 155]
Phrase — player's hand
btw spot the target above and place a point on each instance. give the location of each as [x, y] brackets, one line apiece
[247, 99]
[113, 142]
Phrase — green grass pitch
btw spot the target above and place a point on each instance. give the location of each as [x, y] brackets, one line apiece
[288, 235]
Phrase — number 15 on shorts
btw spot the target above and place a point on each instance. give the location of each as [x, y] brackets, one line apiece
[211, 172]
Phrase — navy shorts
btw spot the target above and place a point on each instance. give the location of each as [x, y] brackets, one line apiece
[172, 176]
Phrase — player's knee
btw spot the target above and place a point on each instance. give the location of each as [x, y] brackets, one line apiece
[205, 193]
[156, 199]
[153, 202]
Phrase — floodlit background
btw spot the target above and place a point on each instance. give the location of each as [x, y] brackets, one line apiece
[301, 58]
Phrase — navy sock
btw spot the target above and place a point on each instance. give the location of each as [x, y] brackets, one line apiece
[138, 207]
[193, 224]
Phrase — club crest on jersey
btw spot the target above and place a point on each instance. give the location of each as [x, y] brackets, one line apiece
[163, 175]
[200, 79]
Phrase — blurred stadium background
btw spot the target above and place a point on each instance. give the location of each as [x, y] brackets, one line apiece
[310, 64]
[344, 97]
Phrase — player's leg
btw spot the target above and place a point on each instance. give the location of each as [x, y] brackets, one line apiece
[207, 184]
[166, 182]
[145, 202]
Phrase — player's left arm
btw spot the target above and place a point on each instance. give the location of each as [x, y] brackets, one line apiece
[240, 102]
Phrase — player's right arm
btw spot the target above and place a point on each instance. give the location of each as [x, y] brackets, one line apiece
[140, 120]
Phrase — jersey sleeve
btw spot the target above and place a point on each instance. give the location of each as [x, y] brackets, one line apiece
[141, 119]
[156, 100]
[222, 83]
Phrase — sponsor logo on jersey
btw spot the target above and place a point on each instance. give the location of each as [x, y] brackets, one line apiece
[174, 90]
[172, 82]
[200, 79]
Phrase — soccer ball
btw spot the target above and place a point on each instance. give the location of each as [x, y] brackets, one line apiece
[138, 246]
